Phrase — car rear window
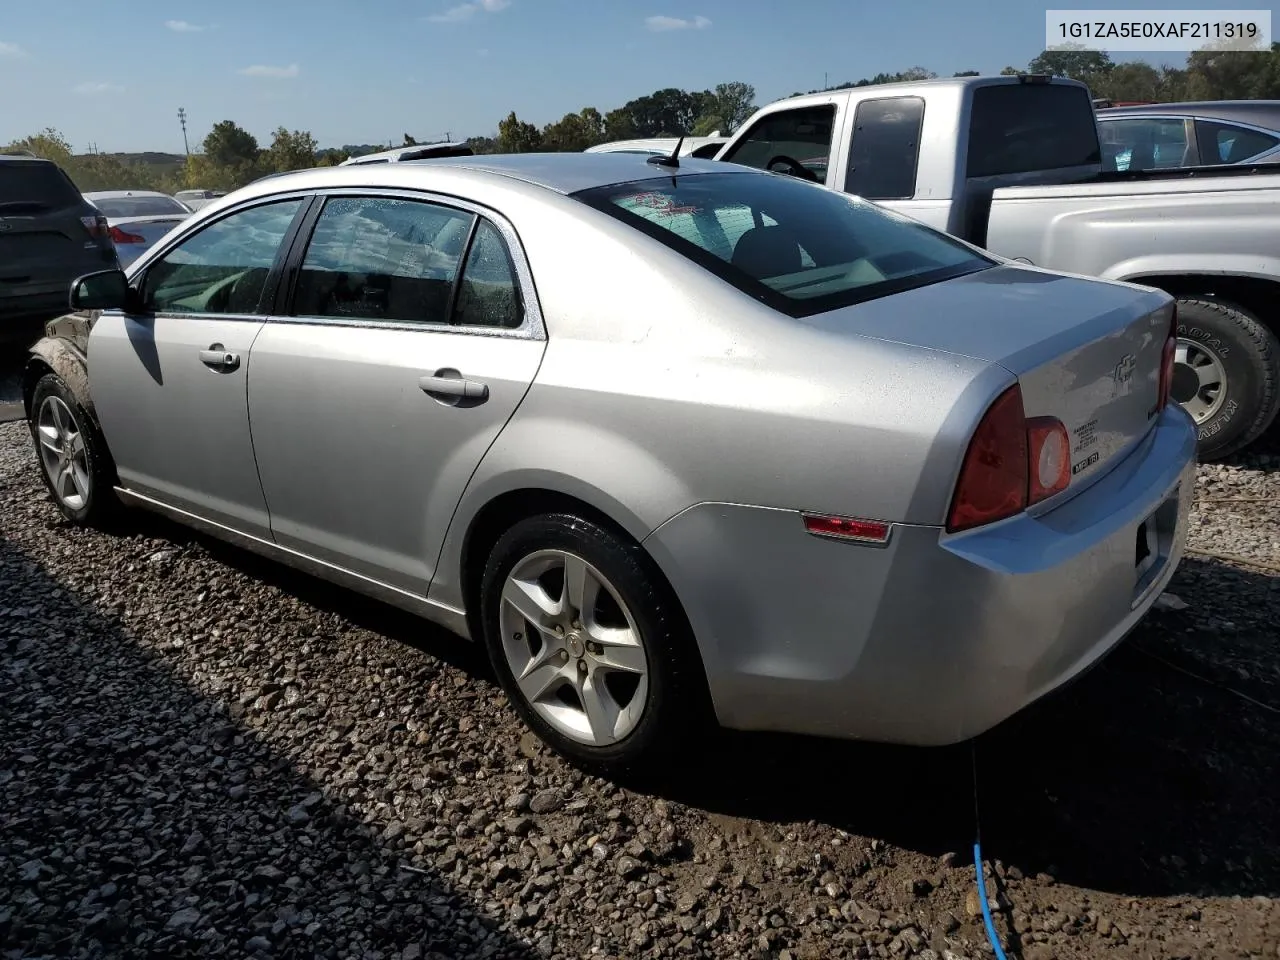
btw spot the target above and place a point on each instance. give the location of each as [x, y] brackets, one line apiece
[35, 183]
[799, 247]
[139, 206]
[1025, 127]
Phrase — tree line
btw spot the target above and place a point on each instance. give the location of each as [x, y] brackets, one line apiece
[230, 156]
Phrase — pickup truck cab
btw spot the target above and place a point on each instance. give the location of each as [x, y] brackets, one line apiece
[1014, 165]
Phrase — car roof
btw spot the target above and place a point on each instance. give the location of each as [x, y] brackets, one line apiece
[563, 173]
[1265, 113]
[121, 194]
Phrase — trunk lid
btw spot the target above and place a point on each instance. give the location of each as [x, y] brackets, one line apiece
[1085, 351]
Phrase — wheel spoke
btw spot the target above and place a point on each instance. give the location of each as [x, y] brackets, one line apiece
[532, 602]
[79, 478]
[64, 485]
[602, 712]
[540, 679]
[1208, 375]
[620, 651]
[580, 587]
[60, 419]
[50, 439]
[75, 443]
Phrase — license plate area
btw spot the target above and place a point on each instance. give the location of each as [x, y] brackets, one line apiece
[1152, 545]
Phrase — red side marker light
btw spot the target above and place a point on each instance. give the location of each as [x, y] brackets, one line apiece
[846, 528]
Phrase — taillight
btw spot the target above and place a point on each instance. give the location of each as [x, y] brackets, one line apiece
[1167, 362]
[119, 236]
[96, 227]
[1049, 458]
[993, 477]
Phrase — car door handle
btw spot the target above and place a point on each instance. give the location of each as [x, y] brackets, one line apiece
[449, 385]
[217, 357]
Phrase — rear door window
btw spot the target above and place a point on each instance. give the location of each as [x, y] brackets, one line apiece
[1145, 143]
[885, 148]
[1028, 127]
[797, 142]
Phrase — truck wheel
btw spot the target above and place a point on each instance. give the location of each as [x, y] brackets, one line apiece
[1226, 374]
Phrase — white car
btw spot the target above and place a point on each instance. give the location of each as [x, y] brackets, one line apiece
[136, 219]
[704, 148]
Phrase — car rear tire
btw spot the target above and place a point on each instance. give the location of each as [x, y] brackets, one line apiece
[1227, 374]
[72, 454]
[590, 645]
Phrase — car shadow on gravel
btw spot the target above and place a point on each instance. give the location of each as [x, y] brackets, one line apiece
[1137, 779]
[1145, 777]
[142, 819]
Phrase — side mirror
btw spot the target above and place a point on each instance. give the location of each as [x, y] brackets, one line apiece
[105, 290]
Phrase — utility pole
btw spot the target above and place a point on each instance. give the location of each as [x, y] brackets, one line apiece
[182, 119]
[825, 82]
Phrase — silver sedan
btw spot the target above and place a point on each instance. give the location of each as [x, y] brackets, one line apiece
[675, 441]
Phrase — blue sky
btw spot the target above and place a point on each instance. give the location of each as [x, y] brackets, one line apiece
[115, 74]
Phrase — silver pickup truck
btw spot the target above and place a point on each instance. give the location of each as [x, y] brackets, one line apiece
[1014, 165]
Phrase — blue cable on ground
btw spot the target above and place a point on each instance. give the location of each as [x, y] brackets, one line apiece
[992, 936]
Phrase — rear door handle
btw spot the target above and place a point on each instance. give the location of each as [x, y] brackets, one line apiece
[451, 385]
[217, 357]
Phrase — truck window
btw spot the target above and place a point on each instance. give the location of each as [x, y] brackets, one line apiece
[787, 140]
[885, 148]
[1024, 127]
[1226, 143]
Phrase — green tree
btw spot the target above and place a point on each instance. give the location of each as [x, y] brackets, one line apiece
[1011, 71]
[1088, 66]
[620, 125]
[48, 143]
[409, 141]
[517, 136]
[290, 151]
[594, 125]
[569, 134]
[230, 145]
[967, 73]
[734, 103]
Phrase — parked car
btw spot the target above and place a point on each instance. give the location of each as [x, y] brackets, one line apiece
[1162, 136]
[49, 235]
[705, 147]
[1014, 164]
[137, 218]
[421, 151]
[674, 441]
[195, 199]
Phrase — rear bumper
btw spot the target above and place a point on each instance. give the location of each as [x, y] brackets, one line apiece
[931, 639]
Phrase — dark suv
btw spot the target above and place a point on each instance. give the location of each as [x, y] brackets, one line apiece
[49, 235]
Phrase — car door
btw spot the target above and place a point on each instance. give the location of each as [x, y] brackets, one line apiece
[410, 337]
[169, 382]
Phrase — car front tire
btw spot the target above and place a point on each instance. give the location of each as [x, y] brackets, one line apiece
[590, 645]
[72, 454]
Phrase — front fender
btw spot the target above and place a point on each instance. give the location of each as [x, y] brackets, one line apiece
[57, 352]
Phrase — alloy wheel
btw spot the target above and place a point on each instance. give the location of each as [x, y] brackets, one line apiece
[63, 454]
[573, 648]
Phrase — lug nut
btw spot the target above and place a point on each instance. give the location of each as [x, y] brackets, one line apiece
[517, 637]
[559, 629]
[582, 666]
[564, 655]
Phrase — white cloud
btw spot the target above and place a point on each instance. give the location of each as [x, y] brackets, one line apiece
[660, 24]
[181, 26]
[279, 73]
[465, 11]
[11, 50]
[93, 88]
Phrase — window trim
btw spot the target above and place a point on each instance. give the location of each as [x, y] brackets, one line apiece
[140, 270]
[853, 139]
[596, 199]
[531, 326]
[838, 114]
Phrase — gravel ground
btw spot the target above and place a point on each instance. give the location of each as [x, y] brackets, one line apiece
[202, 754]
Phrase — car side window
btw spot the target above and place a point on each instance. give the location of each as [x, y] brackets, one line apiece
[1145, 143]
[224, 267]
[885, 148]
[376, 258]
[488, 295]
[799, 137]
[1226, 143]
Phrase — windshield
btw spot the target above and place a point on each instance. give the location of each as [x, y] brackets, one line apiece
[122, 207]
[798, 247]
